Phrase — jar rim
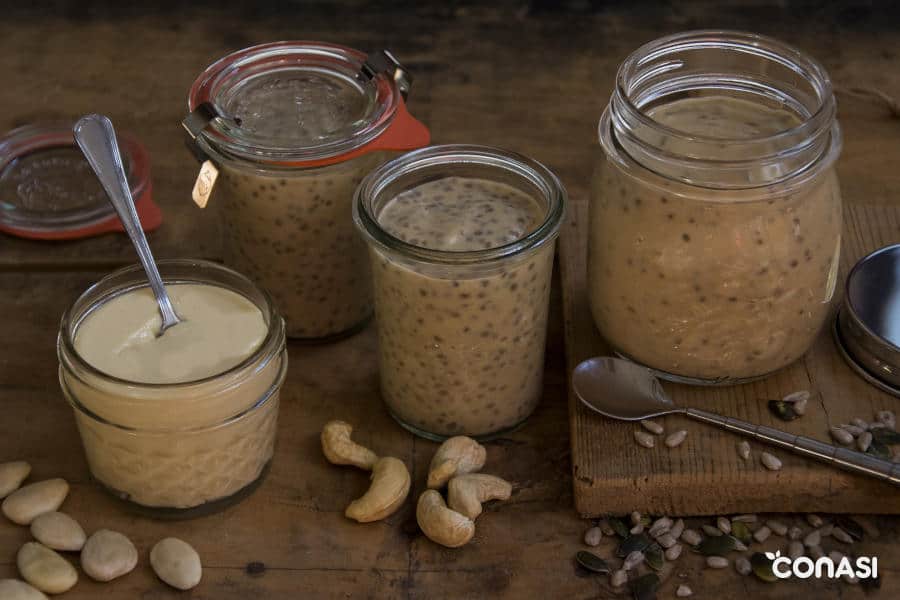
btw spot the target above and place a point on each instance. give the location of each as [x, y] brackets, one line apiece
[340, 61]
[270, 347]
[431, 157]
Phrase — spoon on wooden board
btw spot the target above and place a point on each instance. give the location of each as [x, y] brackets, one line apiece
[96, 137]
[621, 389]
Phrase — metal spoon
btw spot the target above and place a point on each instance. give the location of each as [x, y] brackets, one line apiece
[97, 139]
[621, 389]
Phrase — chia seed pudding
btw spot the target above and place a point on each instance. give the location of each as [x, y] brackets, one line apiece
[461, 343]
[706, 283]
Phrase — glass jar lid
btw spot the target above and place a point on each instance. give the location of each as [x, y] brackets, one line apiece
[48, 190]
[294, 102]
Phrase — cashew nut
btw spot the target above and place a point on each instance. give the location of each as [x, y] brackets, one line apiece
[466, 493]
[341, 450]
[390, 486]
[441, 524]
[456, 456]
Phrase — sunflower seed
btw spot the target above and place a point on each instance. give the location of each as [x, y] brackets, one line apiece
[762, 567]
[814, 538]
[673, 440]
[864, 441]
[644, 439]
[666, 540]
[652, 426]
[592, 562]
[593, 536]
[684, 591]
[795, 550]
[618, 578]
[887, 417]
[690, 537]
[674, 552]
[711, 531]
[777, 527]
[814, 520]
[632, 560]
[762, 534]
[859, 422]
[841, 535]
[815, 552]
[635, 517]
[716, 562]
[783, 410]
[743, 449]
[742, 565]
[723, 524]
[639, 528]
[794, 533]
[677, 528]
[741, 531]
[606, 528]
[745, 519]
[853, 429]
[842, 436]
[770, 461]
[660, 526]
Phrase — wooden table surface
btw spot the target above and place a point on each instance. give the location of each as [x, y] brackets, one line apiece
[530, 78]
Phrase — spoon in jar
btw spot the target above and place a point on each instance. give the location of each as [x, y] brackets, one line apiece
[621, 389]
[96, 137]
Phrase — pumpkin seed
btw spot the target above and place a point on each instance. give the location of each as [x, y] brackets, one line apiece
[652, 426]
[690, 537]
[762, 567]
[841, 436]
[879, 449]
[619, 527]
[674, 552]
[783, 410]
[592, 562]
[676, 439]
[742, 565]
[683, 591]
[841, 536]
[632, 560]
[639, 542]
[743, 449]
[741, 531]
[723, 524]
[814, 520]
[619, 578]
[864, 441]
[644, 587]
[593, 536]
[654, 557]
[716, 562]
[889, 437]
[644, 439]
[770, 461]
[716, 546]
[850, 526]
[795, 550]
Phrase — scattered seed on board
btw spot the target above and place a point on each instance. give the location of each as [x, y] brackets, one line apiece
[762, 534]
[644, 439]
[777, 527]
[864, 441]
[842, 436]
[618, 578]
[813, 538]
[690, 537]
[853, 430]
[740, 546]
[652, 426]
[711, 531]
[723, 524]
[815, 552]
[887, 417]
[859, 423]
[684, 591]
[814, 520]
[677, 528]
[666, 540]
[674, 552]
[673, 440]
[745, 519]
[637, 529]
[660, 526]
[841, 535]
[797, 396]
[593, 536]
[743, 449]
[770, 462]
[795, 550]
[742, 565]
[633, 559]
[716, 562]
[635, 517]
[794, 533]
[606, 528]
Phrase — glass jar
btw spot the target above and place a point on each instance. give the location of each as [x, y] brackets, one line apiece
[292, 128]
[715, 221]
[179, 449]
[461, 334]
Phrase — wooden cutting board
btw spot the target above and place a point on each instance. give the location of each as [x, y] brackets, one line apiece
[613, 475]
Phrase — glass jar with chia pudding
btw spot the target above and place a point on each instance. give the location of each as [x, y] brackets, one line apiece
[290, 129]
[715, 221]
[461, 240]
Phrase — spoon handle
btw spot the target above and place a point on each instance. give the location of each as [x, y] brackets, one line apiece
[97, 139]
[838, 456]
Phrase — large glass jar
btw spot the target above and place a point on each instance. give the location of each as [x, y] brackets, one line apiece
[176, 449]
[462, 242]
[715, 220]
[292, 128]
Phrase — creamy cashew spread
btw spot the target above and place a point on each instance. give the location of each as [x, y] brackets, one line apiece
[219, 329]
